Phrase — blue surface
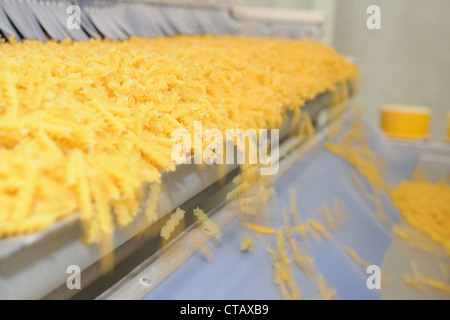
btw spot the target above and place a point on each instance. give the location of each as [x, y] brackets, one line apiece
[318, 178]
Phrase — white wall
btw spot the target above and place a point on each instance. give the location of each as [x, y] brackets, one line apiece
[407, 61]
[262, 3]
[326, 6]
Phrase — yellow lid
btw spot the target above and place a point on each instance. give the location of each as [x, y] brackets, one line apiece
[405, 121]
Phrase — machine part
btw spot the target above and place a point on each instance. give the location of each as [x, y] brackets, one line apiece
[118, 20]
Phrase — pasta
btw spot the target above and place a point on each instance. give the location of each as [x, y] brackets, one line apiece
[282, 269]
[353, 147]
[171, 224]
[96, 128]
[304, 262]
[207, 222]
[418, 280]
[240, 189]
[314, 233]
[199, 245]
[318, 227]
[436, 284]
[293, 205]
[246, 244]
[281, 247]
[325, 291]
[251, 204]
[152, 202]
[417, 239]
[413, 282]
[377, 202]
[359, 261]
[260, 229]
[425, 206]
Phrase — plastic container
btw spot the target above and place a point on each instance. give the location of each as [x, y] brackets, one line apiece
[406, 121]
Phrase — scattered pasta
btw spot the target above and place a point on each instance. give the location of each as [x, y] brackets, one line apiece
[209, 226]
[356, 258]
[293, 206]
[425, 207]
[246, 244]
[152, 202]
[260, 229]
[318, 227]
[172, 223]
[353, 147]
[325, 292]
[418, 280]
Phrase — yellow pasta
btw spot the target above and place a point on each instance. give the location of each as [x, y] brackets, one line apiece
[355, 257]
[200, 246]
[241, 188]
[418, 280]
[152, 202]
[282, 270]
[425, 207]
[249, 174]
[309, 127]
[84, 196]
[325, 291]
[109, 115]
[417, 239]
[334, 132]
[281, 247]
[301, 228]
[260, 229]
[304, 262]
[172, 223]
[207, 222]
[413, 282]
[9, 92]
[251, 204]
[246, 244]
[376, 200]
[102, 208]
[293, 206]
[276, 273]
[353, 147]
[318, 227]
[339, 211]
[314, 233]
[436, 284]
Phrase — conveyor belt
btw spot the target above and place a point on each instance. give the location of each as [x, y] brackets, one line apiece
[318, 178]
[34, 266]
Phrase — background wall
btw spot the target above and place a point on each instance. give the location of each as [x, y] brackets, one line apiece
[407, 61]
[327, 6]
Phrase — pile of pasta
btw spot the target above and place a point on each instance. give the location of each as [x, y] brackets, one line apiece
[423, 205]
[426, 207]
[84, 126]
